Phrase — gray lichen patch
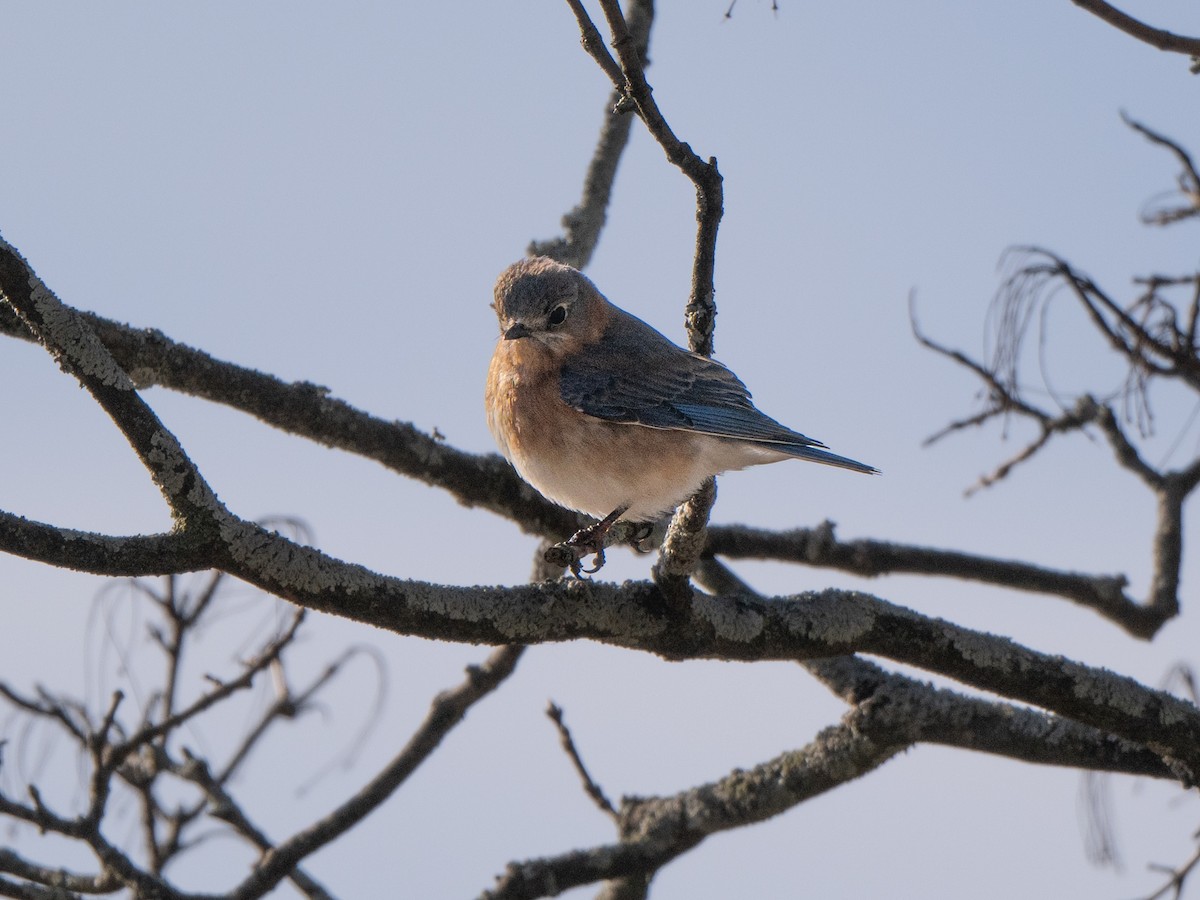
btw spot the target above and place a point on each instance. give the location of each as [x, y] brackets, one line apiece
[1104, 688]
[984, 651]
[290, 566]
[830, 617]
[730, 620]
[474, 604]
[65, 332]
[167, 459]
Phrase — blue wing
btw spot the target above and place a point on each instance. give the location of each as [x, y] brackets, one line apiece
[633, 374]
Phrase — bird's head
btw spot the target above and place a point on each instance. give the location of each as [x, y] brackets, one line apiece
[547, 302]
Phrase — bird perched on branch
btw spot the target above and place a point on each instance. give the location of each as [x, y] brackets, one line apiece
[604, 415]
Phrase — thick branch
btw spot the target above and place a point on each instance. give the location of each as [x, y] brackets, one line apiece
[634, 615]
[938, 716]
[890, 714]
[891, 711]
[970, 723]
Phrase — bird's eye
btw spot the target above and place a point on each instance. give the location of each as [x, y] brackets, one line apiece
[558, 316]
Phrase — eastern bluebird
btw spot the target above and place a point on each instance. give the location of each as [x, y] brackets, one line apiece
[603, 414]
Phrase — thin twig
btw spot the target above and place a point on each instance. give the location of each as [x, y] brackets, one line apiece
[1155, 37]
[583, 224]
[117, 752]
[446, 711]
[1178, 876]
[225, 808]
[555, 713]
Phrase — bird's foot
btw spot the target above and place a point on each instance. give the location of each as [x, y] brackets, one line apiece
[587, 541]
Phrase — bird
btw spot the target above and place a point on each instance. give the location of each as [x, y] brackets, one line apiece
[603, 414]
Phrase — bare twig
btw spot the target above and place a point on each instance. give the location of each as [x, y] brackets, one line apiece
[117, 752]
[50, 708]
[701, 309]
[593, 43]
[1178, 876]
[870, 558]
[60, 879]
[555, 714]
[447, 710]
[583, 224]
[1188, 180]
[1147, 34]
[224, 807]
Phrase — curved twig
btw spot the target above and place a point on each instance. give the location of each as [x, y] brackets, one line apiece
[1147, 34]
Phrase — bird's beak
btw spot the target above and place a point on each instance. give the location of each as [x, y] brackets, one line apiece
[516, 330]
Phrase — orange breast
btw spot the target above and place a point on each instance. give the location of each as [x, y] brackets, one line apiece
[522, 397]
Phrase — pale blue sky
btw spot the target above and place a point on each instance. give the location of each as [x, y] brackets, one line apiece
[327, 193]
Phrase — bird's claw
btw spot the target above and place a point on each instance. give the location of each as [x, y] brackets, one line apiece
[644, 533]
[580, 572]
[584, 542]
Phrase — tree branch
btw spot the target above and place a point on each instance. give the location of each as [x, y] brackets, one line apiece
[890, 712]
[1188, 179]
[61, 880]
[701, 309]
[1104, 594]
[78, 351]
[634, 615]
[583, 224]
[591, 788]
[447, 710]
[1155, 37]
[657, 830]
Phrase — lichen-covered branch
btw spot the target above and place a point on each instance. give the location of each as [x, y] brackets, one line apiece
[80, 352]
[306, 410]
[890, 713]
[657, 830]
